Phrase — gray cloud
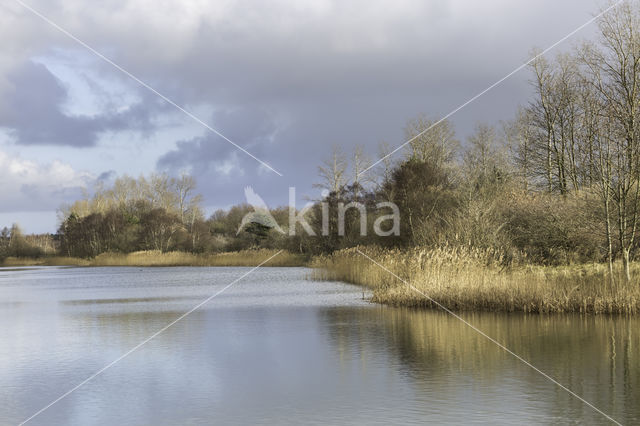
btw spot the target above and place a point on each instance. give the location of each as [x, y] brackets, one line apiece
[256, 129]
[34, 114]
[286, 80]
[353, 74]
[106, 176]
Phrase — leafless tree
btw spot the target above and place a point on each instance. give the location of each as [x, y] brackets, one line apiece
[518, 134]
[555, 116]
[184, 188]
[431, 142]
[613, 72]
[333, 171]
[360, 163]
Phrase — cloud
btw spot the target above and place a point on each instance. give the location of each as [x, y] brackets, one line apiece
[29, 186]
[278, 52]
[286, 80]
[256, 129]
[34, 112]
[106, 176]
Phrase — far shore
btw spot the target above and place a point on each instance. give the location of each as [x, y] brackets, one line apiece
[157, 258]
[460, 280]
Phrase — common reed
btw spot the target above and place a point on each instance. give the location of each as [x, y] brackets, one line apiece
[465, 279]
[44, 261]
[157, 258]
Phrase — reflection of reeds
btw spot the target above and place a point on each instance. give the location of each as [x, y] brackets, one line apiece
[470, 279]
[157, 258]
[594, 355]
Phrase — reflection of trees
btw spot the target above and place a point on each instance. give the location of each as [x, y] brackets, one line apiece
[596, 357]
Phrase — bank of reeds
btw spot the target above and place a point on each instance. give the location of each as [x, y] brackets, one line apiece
[157, 258]
[44, 261]
[467, 279]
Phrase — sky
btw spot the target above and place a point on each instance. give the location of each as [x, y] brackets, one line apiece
[285, 80]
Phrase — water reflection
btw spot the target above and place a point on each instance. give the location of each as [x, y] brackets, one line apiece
[278, 349]
[448, 363]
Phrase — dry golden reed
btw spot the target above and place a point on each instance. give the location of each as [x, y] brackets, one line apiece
[157, 258]
[470, 279]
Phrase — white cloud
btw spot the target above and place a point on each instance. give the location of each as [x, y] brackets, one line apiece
[28, 185]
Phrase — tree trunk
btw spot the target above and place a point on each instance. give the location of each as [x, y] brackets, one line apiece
[625, 262]
[609, 243]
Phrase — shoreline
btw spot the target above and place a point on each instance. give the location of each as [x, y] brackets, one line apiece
[460, 280]
[169, 259]
[467, 280]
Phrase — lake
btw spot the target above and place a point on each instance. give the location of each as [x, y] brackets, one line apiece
[276, 348]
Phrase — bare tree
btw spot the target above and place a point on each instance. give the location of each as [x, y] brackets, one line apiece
[554, 115]
[613, 71]
[385, 171]
[519, 139]
[431, 142]
[184, 186]
[333, 171]
[360, 163]
[485, 156]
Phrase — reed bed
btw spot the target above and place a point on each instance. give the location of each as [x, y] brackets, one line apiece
[44, 261]
[473, 280]
[157, 258]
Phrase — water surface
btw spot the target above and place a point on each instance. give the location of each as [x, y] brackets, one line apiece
[276, 348]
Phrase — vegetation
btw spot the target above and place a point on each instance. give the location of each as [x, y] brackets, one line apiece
[474, 280]
[157, 258]
[520, 216]
[14, 243]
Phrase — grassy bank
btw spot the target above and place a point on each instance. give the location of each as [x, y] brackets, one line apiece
[157, 258]
[467, 280]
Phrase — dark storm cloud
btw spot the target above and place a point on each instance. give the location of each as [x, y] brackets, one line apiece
[287, 80]
[353, 77]
[256, 130]
[198, 154]
[33, 112]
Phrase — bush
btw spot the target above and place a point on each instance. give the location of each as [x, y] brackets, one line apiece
[552, 229]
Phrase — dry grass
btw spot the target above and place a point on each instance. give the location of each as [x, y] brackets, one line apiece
[467, 280]
[157, 258]
[238, 258]
[45, 261]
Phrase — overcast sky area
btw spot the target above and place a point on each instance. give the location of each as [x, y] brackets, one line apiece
[286, 80]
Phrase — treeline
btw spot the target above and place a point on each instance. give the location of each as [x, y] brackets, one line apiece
[13, 243]
[560, 183]
[156, 213]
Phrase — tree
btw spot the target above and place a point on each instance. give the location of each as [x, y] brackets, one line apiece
[485, 158]
[386, 170]
[613, 71]
[519, 139]
[360, 165]
[432, 142]
[333, 171]
[159, 228]
[554, 115]
[187, 202]
[423, 193]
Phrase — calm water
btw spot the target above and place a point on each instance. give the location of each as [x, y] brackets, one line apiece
[278, 349]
